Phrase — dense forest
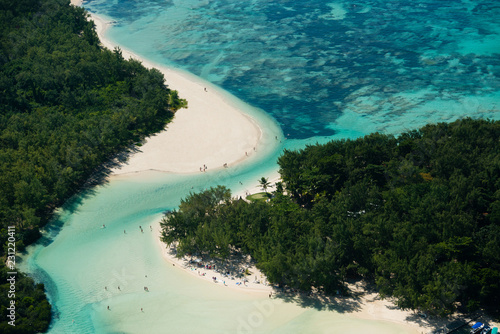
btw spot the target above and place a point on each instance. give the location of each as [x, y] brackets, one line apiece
[32, 310]
[67, 105]
[416, 214]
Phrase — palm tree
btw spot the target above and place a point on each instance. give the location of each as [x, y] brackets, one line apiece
[264, 183]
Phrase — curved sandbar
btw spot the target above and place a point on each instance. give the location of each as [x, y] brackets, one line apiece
[211, 132]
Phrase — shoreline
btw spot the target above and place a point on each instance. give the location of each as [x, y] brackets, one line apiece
[212, 133]
[204, 274]
[371, 306]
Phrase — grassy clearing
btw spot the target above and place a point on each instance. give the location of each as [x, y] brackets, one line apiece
[258, 197]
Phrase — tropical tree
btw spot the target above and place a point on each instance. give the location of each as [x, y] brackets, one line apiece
[417, 214]
[264, 183]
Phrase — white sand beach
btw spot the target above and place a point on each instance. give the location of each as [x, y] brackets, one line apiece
[371, 306]
[213, 131]
[255, 282]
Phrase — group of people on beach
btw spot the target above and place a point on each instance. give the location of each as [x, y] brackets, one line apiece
[225, 165]
[195, 265]
[199, 265]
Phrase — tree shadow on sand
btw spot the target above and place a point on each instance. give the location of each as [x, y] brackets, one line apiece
[340, 304]
[359, 295]
[351, 301]
[101, 174]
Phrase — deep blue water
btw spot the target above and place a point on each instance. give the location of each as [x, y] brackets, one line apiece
[383, 65]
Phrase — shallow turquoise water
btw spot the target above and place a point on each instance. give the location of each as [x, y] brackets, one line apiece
[87, 267]
[323, 70]
[387, 65]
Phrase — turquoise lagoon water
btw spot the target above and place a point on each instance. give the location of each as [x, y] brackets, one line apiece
[322, 70]
[326, 68]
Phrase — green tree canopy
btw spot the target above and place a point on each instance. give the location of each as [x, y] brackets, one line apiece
[67, 106]
[417, 214]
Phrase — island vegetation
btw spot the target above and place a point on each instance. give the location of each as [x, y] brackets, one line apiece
[417, 214]
[67, 105]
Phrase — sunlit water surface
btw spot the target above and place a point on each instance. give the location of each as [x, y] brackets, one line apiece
[322, 70]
